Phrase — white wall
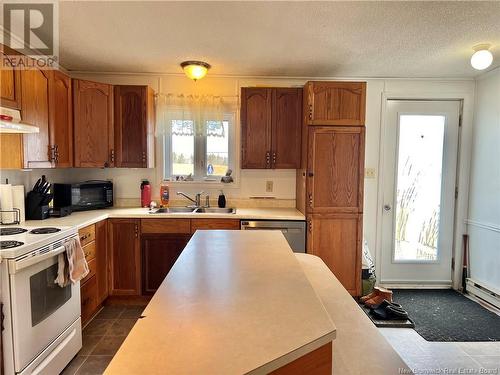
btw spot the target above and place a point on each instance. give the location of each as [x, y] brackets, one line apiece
[252, 182]
[484, 198]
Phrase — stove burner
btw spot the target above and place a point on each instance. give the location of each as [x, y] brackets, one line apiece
[10, 244]
[11, 231]
[45, 230]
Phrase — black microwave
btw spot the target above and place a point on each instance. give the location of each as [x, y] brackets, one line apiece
[88, 195]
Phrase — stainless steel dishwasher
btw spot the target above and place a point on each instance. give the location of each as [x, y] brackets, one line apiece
[294, 231]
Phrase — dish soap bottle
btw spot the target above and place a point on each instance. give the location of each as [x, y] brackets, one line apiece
[222, 200]
[164, 193]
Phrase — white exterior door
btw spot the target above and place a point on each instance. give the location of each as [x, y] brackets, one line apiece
[420, 157]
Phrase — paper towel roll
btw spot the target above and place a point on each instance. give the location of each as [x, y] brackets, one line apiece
[6, 203]
[18, 200]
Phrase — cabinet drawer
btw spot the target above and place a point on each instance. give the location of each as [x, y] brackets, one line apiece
[89, 251]
[92, 270]
[165, 226]
[88, 294]
[196, 224]
[87, 234]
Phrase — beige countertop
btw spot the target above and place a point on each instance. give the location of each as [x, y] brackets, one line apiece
[359, 347]
[84, 218]
[235, 302]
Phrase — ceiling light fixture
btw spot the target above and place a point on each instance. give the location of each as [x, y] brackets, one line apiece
[195, 69]
[482, 57]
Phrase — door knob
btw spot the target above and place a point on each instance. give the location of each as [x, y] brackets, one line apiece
[387, 207]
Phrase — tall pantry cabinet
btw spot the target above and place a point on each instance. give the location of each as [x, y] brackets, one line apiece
[330, 179]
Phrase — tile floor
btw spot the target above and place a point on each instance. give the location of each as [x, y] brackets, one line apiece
[425, 357]
[101, 339]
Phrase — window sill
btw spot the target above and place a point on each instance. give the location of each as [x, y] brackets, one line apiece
[215, 184]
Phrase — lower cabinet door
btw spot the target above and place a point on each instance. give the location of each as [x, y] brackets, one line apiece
[88, 296]
[102, 262]
[124, 243]
[337, 240]
[159, 253]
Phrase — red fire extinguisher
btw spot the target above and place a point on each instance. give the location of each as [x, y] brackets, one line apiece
[145, 193]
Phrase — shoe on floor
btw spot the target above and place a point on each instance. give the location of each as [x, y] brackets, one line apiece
[389, 313]
[386, 303]
[379, 298]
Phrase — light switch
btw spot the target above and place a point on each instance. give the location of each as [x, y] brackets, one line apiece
[369, 172]
[269, 186]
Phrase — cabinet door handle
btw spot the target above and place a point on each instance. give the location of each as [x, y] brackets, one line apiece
[56, 154]
[310, 174]
[268, 158]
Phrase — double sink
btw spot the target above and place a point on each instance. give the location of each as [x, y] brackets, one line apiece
[191, 210]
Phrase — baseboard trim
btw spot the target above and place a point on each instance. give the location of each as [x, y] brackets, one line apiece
[481, 291]
[415, 285]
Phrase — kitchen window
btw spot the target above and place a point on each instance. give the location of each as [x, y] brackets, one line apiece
[198, 137]
[205, 155]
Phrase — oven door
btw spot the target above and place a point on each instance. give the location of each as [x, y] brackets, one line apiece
[41, 310]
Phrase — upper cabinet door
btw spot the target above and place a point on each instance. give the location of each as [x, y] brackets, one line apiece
[61, 119]
[134, 124]
[10, 82]
[335, 169]
[93, 124]
[35, 111]
[286, 128]
[256, 107]
[336, 103]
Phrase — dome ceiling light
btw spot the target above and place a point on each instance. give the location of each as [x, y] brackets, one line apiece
[195, 69]
[482, 57]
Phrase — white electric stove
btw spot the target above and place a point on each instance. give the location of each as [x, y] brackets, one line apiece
[42, 320]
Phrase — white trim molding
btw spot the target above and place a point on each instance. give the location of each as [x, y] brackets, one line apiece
[479, 224]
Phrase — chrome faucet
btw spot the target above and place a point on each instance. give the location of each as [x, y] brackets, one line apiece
[196, 200]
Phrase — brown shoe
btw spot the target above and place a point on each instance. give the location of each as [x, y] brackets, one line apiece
[368, 296]
[378, 299]
[376, 291]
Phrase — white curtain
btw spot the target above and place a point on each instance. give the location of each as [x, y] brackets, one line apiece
[192, 114]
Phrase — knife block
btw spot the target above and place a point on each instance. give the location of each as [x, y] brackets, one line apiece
[35, 209]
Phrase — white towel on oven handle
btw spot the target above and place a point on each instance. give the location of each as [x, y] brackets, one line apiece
[72, 263]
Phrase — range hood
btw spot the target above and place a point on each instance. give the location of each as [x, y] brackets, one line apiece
[10, 122]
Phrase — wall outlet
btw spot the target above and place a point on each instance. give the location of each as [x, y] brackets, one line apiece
[269, 186]
[369, 172]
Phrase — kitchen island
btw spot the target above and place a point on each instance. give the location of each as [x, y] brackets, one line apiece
[235, 302]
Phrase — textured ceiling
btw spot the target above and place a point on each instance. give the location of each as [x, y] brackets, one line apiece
[306, 39]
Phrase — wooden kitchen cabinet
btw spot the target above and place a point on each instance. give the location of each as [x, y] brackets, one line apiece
[335, 169]
[134, 126]
[61, 119]
[94, 287]
[286, 128]
[35, 111]
[256, 127]
[229, 224]
[10, 81]
[159, 253]
[125, 259]
[271, 127]
[335, 103]
[88, 297]
[337, 240]
[93, 124]
[102, 261]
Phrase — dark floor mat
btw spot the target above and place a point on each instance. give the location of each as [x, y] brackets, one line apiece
[406, 323]
[446, 315]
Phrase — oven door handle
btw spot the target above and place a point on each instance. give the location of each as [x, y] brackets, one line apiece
[18, 265]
